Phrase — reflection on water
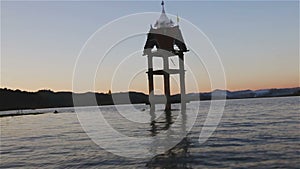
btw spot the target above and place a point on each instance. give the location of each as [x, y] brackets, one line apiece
[168, 120]
[253, 133]
[176, 157]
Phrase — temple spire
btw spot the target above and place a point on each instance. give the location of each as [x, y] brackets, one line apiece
[163, 21]
[163, 6]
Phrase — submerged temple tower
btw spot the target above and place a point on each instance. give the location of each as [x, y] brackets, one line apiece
[167, 38]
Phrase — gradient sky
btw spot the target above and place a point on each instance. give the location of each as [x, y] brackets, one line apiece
[258, 42]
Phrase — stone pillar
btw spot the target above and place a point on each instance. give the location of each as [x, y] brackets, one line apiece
[150, 80]
[167, 83]
[182, 80]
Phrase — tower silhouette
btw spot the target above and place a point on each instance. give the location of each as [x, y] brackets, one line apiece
[167, 38]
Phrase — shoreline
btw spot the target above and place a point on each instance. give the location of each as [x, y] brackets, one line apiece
[55, 110]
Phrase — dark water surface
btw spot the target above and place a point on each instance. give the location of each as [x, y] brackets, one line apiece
[253, 133]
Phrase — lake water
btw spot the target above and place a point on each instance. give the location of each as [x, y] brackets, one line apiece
[253, 133]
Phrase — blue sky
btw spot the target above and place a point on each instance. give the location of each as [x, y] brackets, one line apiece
[258, 42]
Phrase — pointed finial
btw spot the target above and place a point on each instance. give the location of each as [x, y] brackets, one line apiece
[163, 7]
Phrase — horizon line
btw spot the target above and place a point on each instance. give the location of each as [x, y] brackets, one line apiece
[58, 91]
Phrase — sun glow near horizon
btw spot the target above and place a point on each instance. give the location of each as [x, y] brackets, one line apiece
[258, 43]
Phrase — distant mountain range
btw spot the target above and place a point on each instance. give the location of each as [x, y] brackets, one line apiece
[243, 94]
[17, 99]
